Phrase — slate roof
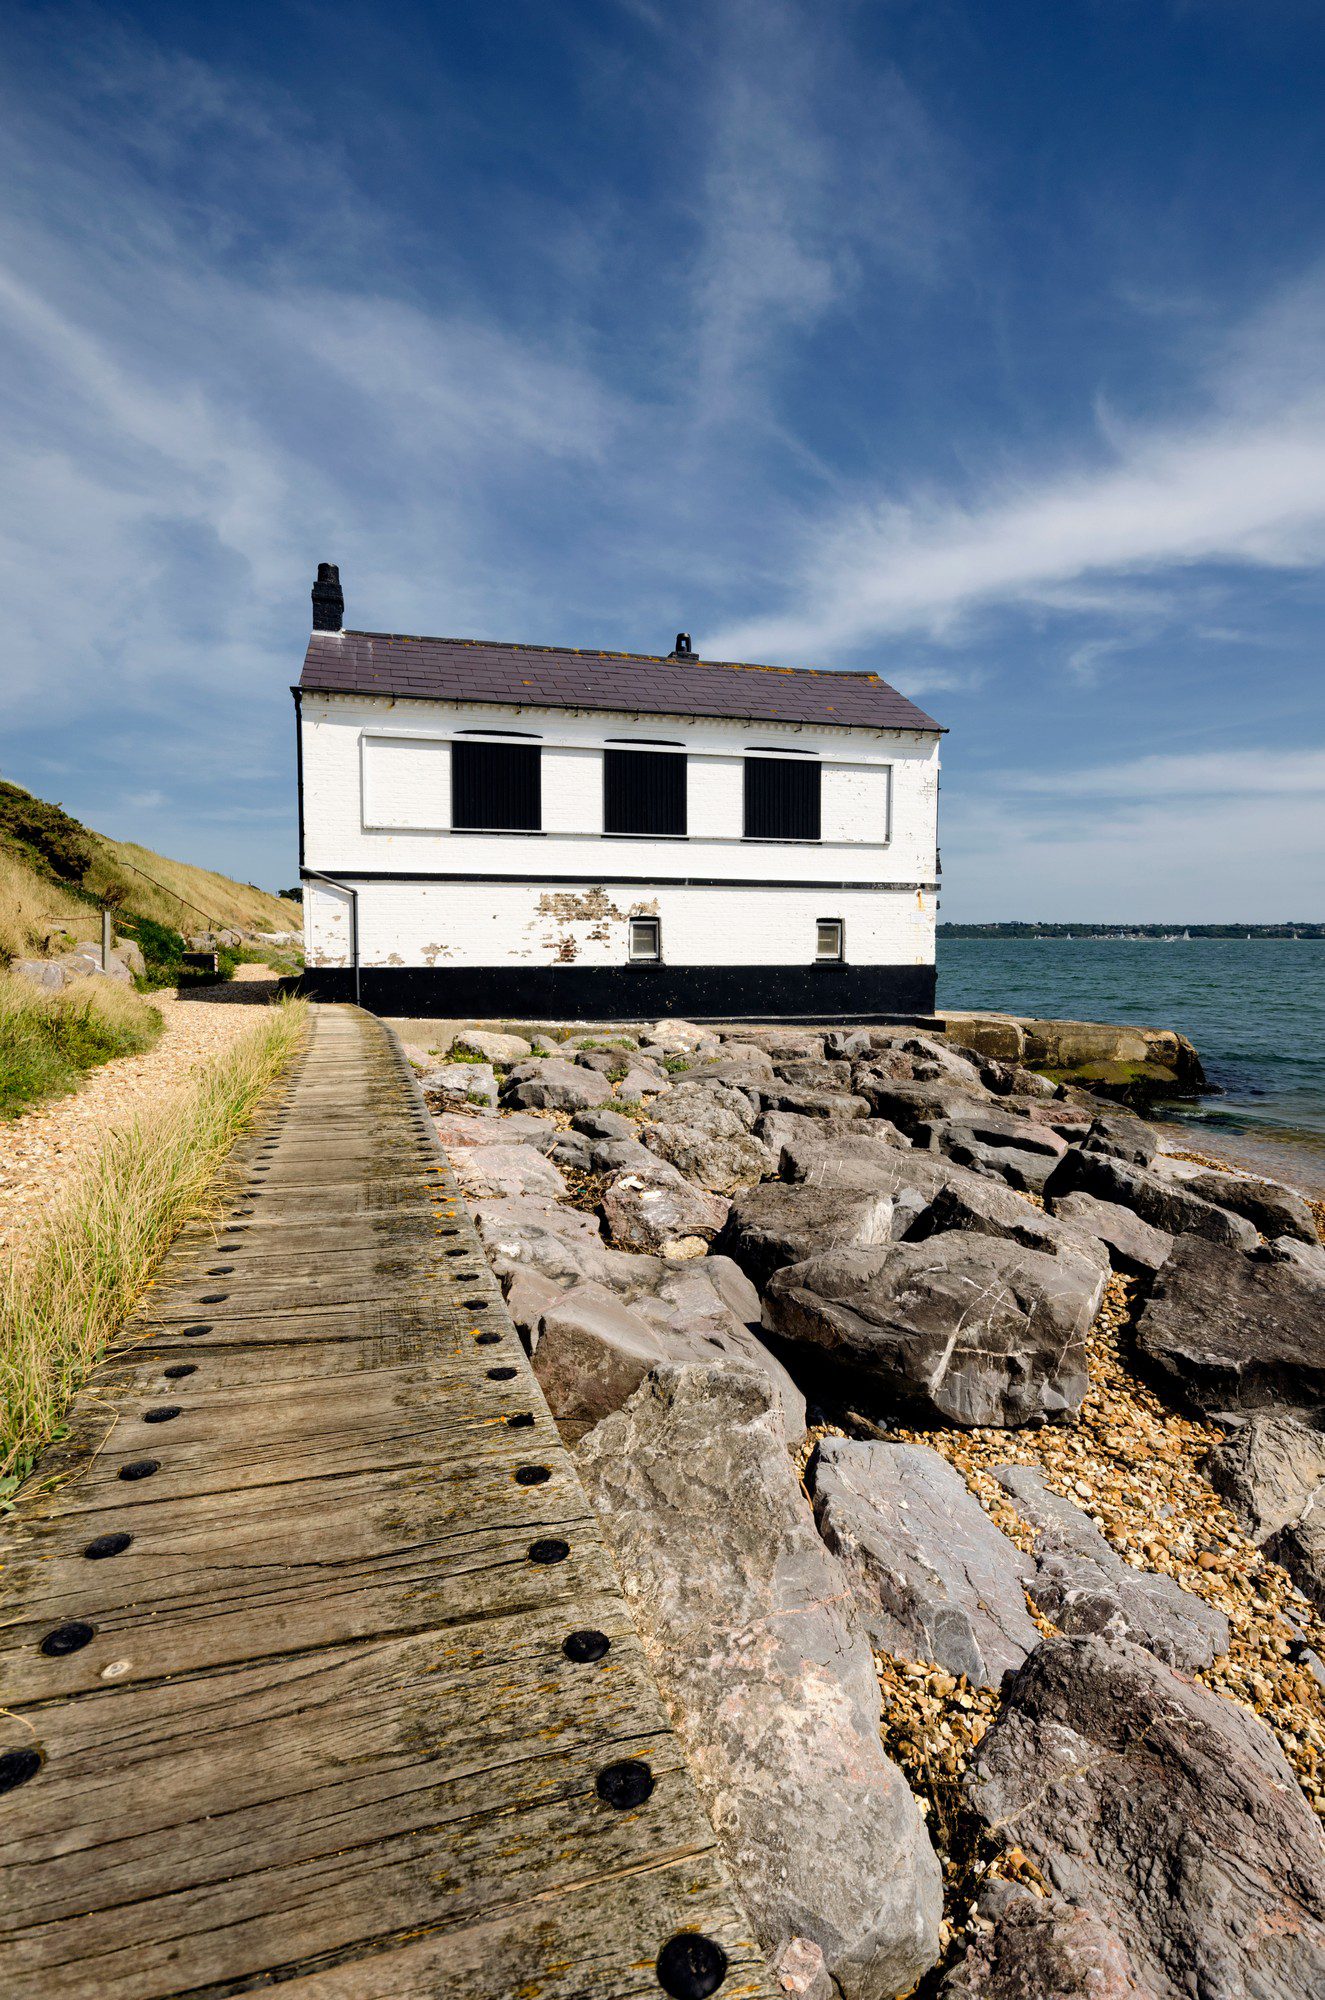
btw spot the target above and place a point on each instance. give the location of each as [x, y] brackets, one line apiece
[483, 670]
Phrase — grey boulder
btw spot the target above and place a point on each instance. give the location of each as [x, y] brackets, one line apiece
[1272, 1470]
[968, 1330]
[553, 1084]
[1273, 1210]
[933, 1577]
[1123, 1136]
[1166, 1812]
[745, 1617]
[656, 1209]
[469, 1082]
[1156, 1199]
[986, 1209]
[721, 1163]
[492, 1045]
[785, 1223]
[591, 1351]
[1085, 1586]
[485, 1171]
[485, 1128]
[1229, 1331]
[600, 1122]
[1133, 1245]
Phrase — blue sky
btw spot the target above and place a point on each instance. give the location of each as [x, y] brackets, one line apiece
[981, 345]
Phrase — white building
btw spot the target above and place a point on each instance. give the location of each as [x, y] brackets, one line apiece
[537, 831]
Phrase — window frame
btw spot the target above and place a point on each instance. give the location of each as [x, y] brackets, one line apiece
[653, 957]
[530, 747]
[802, 761]
[611, 750]
[830, 958]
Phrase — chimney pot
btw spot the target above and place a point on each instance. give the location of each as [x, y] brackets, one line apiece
[328, 599]
[683, 650]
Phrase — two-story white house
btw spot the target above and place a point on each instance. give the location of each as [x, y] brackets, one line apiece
[539, 831]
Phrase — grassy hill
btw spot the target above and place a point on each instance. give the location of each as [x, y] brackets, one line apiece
[56, 873]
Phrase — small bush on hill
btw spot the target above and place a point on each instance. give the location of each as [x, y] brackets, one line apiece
[49, 1040]
[162, 948]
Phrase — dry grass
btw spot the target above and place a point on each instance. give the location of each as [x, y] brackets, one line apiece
[229, 905]
[49, 1040]
[37, 915]
[65, 1294]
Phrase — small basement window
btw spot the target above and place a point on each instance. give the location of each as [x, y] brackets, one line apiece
[496, 787]
[645, 940]
[828, 939]
[644, 791]
[781, 798]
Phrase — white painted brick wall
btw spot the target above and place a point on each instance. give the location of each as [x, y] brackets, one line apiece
[377, 799]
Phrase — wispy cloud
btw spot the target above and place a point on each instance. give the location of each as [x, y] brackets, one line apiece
[1256, 772]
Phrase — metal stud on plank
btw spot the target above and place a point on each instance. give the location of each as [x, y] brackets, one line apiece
[585, 1645]
[70, 1638]
[16, 1767]
[690, 1966]
[107, 1545]
[549, 1549]
[624, 1785]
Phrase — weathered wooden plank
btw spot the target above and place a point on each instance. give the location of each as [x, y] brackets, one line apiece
[318, 1726]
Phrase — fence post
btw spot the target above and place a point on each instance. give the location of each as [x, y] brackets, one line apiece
[107, 940]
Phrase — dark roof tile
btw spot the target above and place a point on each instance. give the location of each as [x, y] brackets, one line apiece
[392, 663]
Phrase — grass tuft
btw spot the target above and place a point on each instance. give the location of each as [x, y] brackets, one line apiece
[78, 1276]
[49, 1040]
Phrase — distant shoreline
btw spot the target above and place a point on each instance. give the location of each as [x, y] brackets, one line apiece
[1137, 933]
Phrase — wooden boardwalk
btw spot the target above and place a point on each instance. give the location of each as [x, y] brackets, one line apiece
[316, 1672]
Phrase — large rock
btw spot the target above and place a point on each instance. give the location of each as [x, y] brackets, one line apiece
[641, 1081]
[910, 1106]
[1166, 1812]
[1084, 1585]
[601, 1122]
[656, 1209]
[1272, 1470]
[933, 1577]
[714, 1107]
[722, 1164]
[492, 1045]
[965, 1329]
[784, 1223]
[560, 1242]
[805, 1103]
[1123, 1136]
[592, 1351]
[986, 1209]
[997, 1143]
[1154, 1198]
[1132, 1245]
[785, 1128]
[45, 973]
[1041, 1948]
[484, 1171]
[746, 1620]
[463, 1082]
[553, 1084]
[807, 1073]
[1274, 1210]
[1236, 1332]
[599, 1156]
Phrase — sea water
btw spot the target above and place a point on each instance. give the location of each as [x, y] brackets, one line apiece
[1254, 1008]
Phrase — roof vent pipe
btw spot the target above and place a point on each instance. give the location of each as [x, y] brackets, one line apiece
[683, 650]
[328, 599]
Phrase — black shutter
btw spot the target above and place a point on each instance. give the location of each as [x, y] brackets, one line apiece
[496, 787]
[644, 791]
[781, 798]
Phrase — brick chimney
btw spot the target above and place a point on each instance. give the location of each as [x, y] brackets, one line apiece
[328, 599]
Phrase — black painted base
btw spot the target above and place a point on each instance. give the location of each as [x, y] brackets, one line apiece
[634, 992]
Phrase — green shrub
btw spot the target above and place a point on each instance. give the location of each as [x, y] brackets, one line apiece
[162, 948]
[49, 1040]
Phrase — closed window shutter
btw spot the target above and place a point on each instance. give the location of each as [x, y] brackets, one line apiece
[496, 787]
[781, 799]
[644, 791]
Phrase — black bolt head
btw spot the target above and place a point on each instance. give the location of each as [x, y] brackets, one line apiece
[164, 1413]
[473, 1305]
[190, 1331]
[213, 1298]
[531, 1475]
[179, 1369]
[487, 1339]
[140, 1468]
[107, 1545]
[16, 1767]
[69, 1638]
[220, 1270]
[549, 1549]
[500, 1374]
[585, 1645]
[691, 1966]
[625, 1784]
[522, 1421]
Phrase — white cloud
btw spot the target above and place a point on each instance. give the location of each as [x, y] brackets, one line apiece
[1255, 772]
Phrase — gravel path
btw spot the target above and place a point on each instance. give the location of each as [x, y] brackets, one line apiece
[40, 1151]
